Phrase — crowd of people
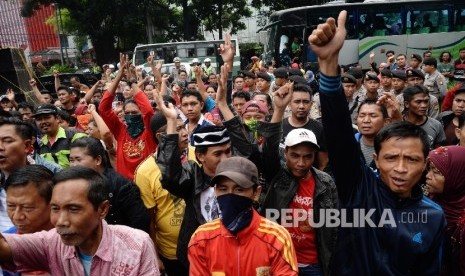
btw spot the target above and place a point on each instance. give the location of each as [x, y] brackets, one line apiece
[214, 172]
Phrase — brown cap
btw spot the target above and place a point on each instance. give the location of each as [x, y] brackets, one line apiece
[239, 169]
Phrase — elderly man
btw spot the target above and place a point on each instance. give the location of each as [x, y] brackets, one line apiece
[82, 243]
[29, 191]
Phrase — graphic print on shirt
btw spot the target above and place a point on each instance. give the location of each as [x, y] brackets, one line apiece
[301, 230]
[178, 210]
[133, 149]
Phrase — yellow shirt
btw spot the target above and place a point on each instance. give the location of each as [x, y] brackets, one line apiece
[169, 210]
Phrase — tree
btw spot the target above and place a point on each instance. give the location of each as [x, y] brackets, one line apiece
[221, 15]
[111, 24]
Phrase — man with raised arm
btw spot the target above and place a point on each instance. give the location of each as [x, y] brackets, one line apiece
[381, 240]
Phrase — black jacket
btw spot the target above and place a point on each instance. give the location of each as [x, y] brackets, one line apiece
[284, 186]
[126, 206]
[188, 180]
[413, 245]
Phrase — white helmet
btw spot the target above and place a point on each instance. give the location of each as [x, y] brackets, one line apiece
[195, 60]
[176, 59]
[207, 60]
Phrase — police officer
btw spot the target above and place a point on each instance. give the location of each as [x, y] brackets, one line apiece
[349, 84]
[434, 80]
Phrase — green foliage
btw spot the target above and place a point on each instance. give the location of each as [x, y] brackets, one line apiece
[110, 22]
[252, 46]
[231, 14]
[60, 68]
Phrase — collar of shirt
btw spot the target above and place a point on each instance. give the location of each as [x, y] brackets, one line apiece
[104, 250]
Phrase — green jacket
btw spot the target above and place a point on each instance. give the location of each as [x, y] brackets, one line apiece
[60, 150]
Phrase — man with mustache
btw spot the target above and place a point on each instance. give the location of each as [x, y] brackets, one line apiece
[82, 243]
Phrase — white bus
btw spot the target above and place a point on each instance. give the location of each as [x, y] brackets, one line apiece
[186, 51]
[373, 26]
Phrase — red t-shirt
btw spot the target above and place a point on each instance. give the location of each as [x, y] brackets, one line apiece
[303, 235]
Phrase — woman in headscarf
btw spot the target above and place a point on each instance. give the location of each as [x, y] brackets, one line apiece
[445, 183]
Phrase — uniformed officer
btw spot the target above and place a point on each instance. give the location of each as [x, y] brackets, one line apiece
[434, 80]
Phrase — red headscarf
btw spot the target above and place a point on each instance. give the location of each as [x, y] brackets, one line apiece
[450, 161]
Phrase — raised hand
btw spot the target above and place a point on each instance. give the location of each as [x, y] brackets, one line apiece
[282, 96]
[168, 110]
[150, 60]
[392, 105]
[227, 50]
[91, 108]
[158, 66]
[327, 39]
[198, 71]
[123, 61]
[10, 94]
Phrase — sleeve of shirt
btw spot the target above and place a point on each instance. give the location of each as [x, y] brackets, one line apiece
[285, 262]
[176, 177]
[197, 260]
[343, 150]
[144, 104]
[209, 104]
[434, 107]
[442, 84]
[108, 116]
[29, 251]
[238, 137]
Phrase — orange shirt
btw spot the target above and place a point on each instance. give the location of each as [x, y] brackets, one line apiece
[262, 248]
[303, 235]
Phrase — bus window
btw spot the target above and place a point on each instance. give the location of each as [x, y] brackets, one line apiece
[182, 53]
[170, 53]
[205, 49]
[428, 19]
[374, 23]
[459, 19]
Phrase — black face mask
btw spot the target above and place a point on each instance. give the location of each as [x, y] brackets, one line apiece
[135, 125]
[236, 212]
